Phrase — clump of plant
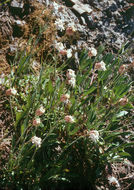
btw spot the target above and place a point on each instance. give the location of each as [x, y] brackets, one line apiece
[67, 123]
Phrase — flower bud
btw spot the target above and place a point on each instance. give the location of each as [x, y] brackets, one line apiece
[69, 119]
[40, 111]
[11, 91]
[36, 122]
[100, 66]
[92, 52]
[123, 101]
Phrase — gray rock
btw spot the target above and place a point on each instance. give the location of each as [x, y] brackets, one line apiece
[82, 8]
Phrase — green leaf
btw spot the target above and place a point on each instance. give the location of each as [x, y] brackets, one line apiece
[22, 129]
[89, 91]
[115, 134]
[18, 116]
[50, 87]
[124, 154]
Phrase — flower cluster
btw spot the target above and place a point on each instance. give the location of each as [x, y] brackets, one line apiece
[11, 92]
[123, 101]
[100, 66]
[62, 50]
[113, 181]
[36, 122]
[122, 69]
[70, 30]
[36, 140]
[92, 52]
[40, 111]
[94, 135]
[65, 98]
[71, 77]
[60, 25]
[69, 119]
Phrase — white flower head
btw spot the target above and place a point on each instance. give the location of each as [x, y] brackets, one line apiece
[72, 25]
[60, 24]
[92, 52]
[36, 140]
[69, 53]
[123, 101]
[40, 111]
[94, 135]
[72, 82]
[59, 46]
[69, 119]
[56, 6]
[58, 148]
[70, 29]
[113, 181]
[100, 66]
[70, 74]
[122, 69]
[65, 98]
[36, 122]
[11, 91]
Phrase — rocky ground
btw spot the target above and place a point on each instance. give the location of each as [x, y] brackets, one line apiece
[107, 22]
[98, 22]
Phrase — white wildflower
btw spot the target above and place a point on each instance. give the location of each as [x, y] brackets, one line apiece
[59, 46]
[69, 119]
[113, 181]
[60, 24]
[105, 88]
[70, 74]
[36, 122]
[123, 101]
[70, 29]
[11, 91]
[72, 25]
[65, 98]
[94, 135]
[122, 69]
[100, 66]
[92, 52]
[40, 111]
[72, 82]
[58, 148]
[36, 140]
[69, 53]
[56, 6]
